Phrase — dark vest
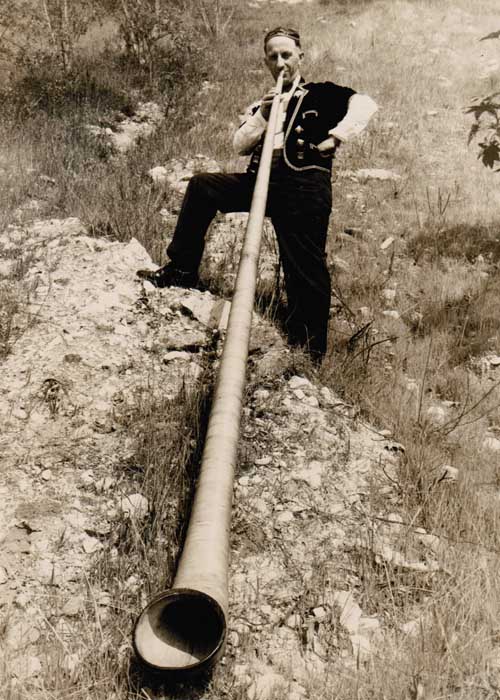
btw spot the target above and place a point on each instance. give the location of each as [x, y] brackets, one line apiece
[309, 118]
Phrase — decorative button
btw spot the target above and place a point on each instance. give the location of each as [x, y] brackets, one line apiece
[300, 142]
[298, 129]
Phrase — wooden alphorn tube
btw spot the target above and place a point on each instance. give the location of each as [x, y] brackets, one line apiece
[183, 629]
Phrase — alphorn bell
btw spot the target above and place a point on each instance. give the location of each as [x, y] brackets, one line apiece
[183, 629]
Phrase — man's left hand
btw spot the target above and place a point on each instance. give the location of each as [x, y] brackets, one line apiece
[329, 145]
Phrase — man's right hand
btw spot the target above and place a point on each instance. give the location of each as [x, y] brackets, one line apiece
[267, 101]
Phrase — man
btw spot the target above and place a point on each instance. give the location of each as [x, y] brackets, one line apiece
[314, 119]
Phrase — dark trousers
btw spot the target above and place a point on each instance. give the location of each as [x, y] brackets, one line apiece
[299, 205]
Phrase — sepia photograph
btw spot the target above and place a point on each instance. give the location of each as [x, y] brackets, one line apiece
[249, 350]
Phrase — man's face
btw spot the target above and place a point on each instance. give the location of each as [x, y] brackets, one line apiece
[283, 53]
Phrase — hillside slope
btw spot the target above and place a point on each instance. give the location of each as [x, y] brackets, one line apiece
[364, 538]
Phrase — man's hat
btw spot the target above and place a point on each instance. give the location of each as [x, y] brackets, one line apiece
[283, 31]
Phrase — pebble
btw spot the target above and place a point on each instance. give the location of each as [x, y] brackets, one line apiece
[320, 614]
[350, 612]
[71, 662]
[437, 415]
[492, 443]
[158, 174]
[90, 544]
[298, 382]
[46, 475]
[311, 401]
[25, 667]
[3, 575]
[361, 646]
[263, 461]
[285, 517]
[448, 473]
[366, 174]
[261, 394]
[265, 687]
[104, 484]
[327, 395]
[293, 621]
[135, 506]
[87, 477]
[176, 355]
[387, 243]
[391, 313]
[368, 624]
[411, 628]
[21, 634]
[233, 639]
[22, 600]
[48, 573]
[73, 606]
[312, 475]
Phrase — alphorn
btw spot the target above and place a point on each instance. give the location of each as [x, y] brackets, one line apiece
[183, 629]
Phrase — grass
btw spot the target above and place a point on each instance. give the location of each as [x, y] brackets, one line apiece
[421, 63]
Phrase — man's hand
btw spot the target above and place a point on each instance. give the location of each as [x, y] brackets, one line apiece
[267, 102]
[329, 145]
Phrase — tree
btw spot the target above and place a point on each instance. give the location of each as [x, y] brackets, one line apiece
[50, 27]
[486, 125]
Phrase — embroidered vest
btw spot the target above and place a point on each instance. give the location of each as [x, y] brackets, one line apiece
[310, 115]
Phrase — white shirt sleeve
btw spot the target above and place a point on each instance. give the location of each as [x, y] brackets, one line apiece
[251, 128]
[359, 112]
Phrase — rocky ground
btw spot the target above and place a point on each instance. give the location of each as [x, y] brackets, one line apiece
[91, 340]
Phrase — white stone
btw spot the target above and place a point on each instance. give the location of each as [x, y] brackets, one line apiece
[492, 443]
[135, 506]
[368, 625]
[448, 473]
[391, 313]
[366, 174]
[327, 396]
[158, 174]
[73, 606]
[437, 415]
[320, 614]
[312, 475]
[411, 628]
[389, 295]
[350, 612]
[361, 646]
[340, 264]
[311, 401]
[87, 477]
[105, 484]
[177, 355]
[266, 686]
[296, 382]
[261, 394]
[387, 243]
[71, 662]
[25, 667]
[285, 517]
[90, 544]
